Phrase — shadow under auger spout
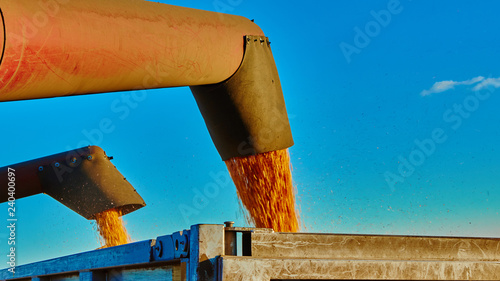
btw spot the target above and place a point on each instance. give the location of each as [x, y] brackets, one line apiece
[84, 180]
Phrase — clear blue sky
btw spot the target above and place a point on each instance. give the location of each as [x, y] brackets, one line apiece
[362, 95]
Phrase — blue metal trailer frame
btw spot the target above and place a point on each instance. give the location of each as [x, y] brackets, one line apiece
[218, 252]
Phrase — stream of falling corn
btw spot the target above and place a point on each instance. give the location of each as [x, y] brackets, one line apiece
[265, 188]
[111, 228]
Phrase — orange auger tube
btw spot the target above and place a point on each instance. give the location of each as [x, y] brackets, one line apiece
[54, 48]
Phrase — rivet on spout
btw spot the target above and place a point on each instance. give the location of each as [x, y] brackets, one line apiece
[40, 168]
[89, 157]
[56, 164]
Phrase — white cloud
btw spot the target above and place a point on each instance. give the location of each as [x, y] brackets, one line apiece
[442, 86]
[494, 82]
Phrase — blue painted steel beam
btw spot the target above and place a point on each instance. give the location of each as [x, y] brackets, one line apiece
[129, 254]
